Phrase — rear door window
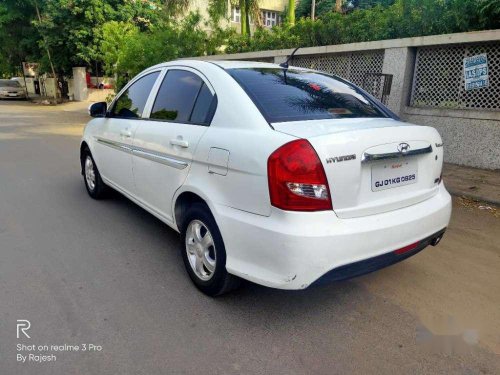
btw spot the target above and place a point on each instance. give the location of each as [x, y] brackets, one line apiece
[294, 95]
[183, 97]
[131, 103]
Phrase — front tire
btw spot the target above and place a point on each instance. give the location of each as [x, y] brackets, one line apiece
[91, 176]
[204, 253]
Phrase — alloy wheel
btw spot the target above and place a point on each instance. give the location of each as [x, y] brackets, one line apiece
[200, 249]
[90, 173]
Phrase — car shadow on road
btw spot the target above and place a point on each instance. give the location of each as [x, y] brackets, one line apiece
[248, 293]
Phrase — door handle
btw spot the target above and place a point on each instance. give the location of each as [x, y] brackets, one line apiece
[179, 142]
[126, 133]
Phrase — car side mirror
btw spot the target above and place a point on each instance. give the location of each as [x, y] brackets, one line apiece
[98, 109]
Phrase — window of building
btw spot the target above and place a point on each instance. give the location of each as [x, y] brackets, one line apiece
[236, 14]
[271, 18]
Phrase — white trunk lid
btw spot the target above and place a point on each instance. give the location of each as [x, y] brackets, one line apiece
[373, 165]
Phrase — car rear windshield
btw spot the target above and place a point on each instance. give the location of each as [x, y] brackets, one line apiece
[9, 83]
[294, 95]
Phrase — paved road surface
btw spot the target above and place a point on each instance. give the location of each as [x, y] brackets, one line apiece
[108, 273]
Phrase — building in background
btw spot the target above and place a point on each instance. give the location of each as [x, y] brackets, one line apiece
[271, 13]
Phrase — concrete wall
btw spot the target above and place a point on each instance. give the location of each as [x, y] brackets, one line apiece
[105, 80]
[96, 95]
[77, 87]
[467, 141]
[471, 137]
[30, 85]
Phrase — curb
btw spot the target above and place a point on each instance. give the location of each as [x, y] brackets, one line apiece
[476, 197]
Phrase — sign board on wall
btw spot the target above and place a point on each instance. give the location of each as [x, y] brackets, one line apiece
[30, 69]
[476, 72]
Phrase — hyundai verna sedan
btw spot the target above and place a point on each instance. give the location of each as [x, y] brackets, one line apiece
[282, 176]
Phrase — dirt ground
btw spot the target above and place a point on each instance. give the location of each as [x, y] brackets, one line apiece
[479, 184]
[454, 288]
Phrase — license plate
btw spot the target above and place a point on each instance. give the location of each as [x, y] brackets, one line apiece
[12, 94]
[394, 174]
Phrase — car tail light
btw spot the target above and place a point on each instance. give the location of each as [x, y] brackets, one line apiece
[297, 180]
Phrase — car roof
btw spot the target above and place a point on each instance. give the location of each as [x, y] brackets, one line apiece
[224, 64]
[233, 64]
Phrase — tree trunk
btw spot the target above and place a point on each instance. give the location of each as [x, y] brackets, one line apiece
[338, 6]
[247, 16]
[291, 12]
[243, 17]
[313, 9]
[56, 88]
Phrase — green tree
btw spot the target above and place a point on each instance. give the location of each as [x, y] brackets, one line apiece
[489, 13]
[18, 38]
[323, 7]
[303, 8]
[73, 29]
[127, 50]
[115, 35]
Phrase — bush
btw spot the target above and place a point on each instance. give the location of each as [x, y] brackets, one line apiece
[127, 51]
[403, 18]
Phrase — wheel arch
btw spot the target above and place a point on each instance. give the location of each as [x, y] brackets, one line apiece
[182, 203]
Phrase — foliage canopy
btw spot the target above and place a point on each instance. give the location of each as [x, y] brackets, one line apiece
[126, 36]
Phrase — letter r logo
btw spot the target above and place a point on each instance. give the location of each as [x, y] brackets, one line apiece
[23, 326]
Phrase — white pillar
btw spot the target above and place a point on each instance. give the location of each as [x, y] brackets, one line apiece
[80, 84]
[399, 62]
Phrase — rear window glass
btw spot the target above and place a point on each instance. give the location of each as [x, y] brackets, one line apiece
[295, 95]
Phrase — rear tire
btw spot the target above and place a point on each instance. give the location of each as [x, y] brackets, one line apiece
[204, 253]
[91, 176]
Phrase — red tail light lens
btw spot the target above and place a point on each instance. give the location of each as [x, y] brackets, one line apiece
[406, 248]
[297, 180]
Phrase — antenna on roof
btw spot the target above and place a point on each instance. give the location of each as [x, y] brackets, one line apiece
[285, 64]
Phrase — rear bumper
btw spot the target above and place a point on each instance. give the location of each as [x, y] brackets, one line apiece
[292, 250]
[363, 267]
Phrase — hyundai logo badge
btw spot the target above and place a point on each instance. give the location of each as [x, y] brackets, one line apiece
[403, 147]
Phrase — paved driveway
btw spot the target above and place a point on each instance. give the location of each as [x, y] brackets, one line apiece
[109, 274]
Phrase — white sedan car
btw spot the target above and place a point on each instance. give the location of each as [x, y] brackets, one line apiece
[282, 176]
[11, 89]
